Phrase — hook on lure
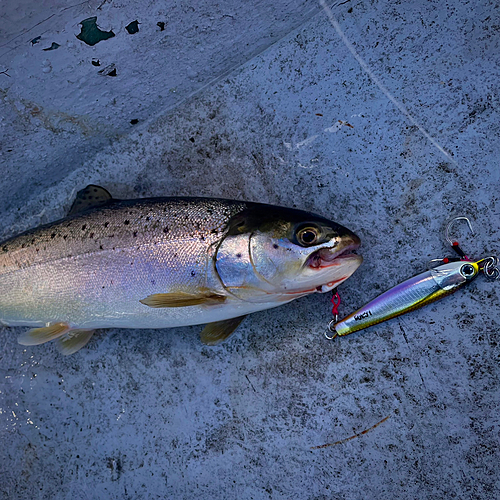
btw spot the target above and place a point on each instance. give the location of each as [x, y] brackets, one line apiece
[488, 265]
[454, 244]
[427, 287]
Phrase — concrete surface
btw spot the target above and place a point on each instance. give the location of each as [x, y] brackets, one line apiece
[154, 414]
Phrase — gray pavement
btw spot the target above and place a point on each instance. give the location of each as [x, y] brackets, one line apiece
[289, 119]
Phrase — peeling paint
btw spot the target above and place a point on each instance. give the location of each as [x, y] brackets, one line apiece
[91, 34]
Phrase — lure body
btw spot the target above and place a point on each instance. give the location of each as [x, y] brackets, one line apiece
[412, 294]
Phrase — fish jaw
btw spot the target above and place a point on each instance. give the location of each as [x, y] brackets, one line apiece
[349, 264]
[328, 267]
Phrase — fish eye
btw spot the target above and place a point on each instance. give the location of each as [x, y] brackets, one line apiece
[467, 271]
[307, 236]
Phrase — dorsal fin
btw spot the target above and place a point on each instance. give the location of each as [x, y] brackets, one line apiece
[90, 197]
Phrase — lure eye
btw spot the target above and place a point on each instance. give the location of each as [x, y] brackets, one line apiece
[467, 271]
[308, 236]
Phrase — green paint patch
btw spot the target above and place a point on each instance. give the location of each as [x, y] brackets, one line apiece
[133, 27]
[54, 46]
[91, 34]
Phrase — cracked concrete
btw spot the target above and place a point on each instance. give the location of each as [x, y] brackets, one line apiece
[154, 414]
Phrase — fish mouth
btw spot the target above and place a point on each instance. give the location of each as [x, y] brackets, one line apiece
[342, 256]
[328, 257]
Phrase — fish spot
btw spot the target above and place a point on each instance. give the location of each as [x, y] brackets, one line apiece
[84, 227]
[135, 234]
[23, 245]
[127, 222]
[165, 230]
[5, 249]
[238, 255]
[131, 263]
[193, 273]
[65, 236]
[91, 235]
[100, 247]
[37, 249]
[53, 235]
[148, 218]
[104, 287]
[106, 224]
[275, 246]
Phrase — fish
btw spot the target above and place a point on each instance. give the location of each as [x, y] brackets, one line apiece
[414, 293]
[163, 263]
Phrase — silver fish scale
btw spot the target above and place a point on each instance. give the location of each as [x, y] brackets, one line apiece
[124, 224]
[93, 269]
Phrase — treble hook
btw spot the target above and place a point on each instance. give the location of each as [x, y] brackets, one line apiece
[454, 244]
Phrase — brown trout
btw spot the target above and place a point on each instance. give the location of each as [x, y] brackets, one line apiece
[165, 262]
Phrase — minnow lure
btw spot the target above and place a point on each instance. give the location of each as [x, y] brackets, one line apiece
[416, 292]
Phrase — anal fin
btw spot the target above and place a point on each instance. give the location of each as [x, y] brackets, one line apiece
[215, 333]
[182, 299]
[73, 341]
[38, 336]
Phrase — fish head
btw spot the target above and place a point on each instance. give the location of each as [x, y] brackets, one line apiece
[284, 252]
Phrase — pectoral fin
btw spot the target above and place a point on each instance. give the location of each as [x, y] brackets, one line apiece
[73, 341]
[38, 336]
[215, 333]
[181, 299]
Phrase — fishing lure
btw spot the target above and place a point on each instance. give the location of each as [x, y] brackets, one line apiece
[416, 292]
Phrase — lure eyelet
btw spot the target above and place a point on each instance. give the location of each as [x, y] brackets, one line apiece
[331, 329]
